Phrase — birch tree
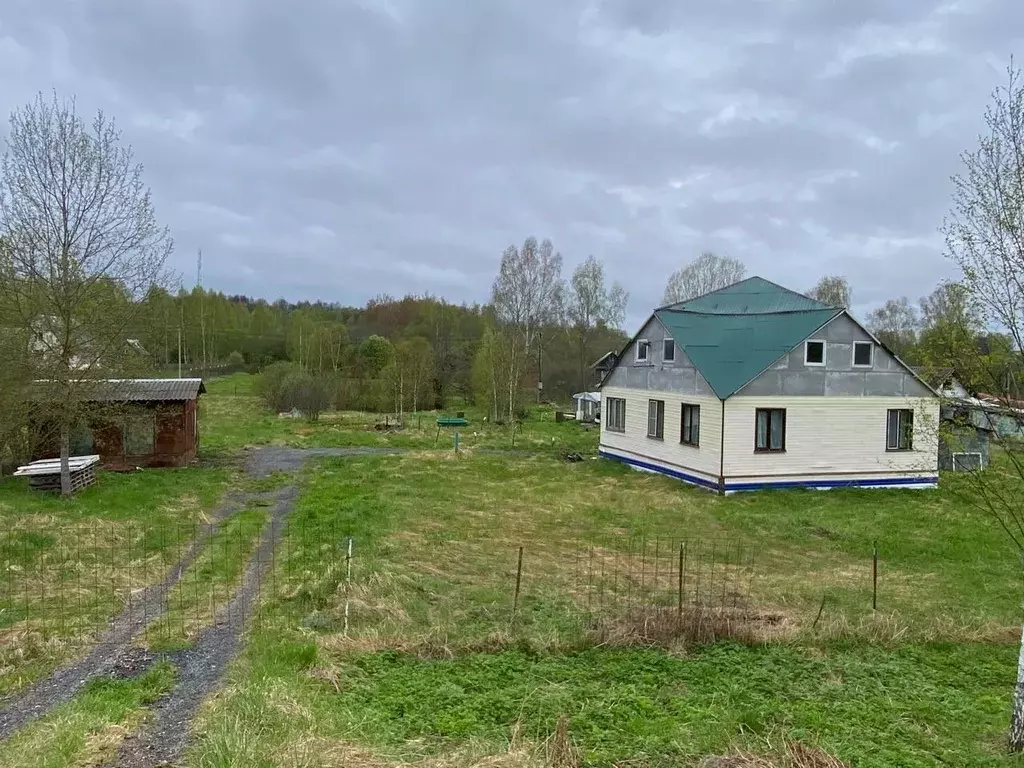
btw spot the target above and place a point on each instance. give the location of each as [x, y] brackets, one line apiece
[590, 303]
[984, 233]
[707, 273]
[83, 247]
[896, 324]
[527, 295]
[833, 290]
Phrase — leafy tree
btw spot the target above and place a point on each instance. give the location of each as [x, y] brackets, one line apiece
[591, 303]
[527, 295]
[707, 273]
[896, 325]
[375, 354]
[984, 234]
[833, 290]
[82, 249]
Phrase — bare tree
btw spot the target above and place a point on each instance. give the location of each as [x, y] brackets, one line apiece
[590, 302]
[706, 274]
[896, 325]
[527, 294]
[83, 248]
[984, 233]
[833, 290]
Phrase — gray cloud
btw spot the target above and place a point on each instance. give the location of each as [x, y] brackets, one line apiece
[337, 150]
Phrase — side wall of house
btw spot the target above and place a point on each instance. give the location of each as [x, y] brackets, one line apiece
[678, 376]
[886, 377]
[696, 464]
[834, 440]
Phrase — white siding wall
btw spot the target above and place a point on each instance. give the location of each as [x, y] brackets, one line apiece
[830, 436]
[634, 443]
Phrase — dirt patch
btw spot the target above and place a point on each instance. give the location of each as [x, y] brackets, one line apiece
[132, 663]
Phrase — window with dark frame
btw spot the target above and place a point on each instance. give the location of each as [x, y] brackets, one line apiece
[668, 352]
[690, 427]
[814, 353]
[656, 419]
[643, 351]
[899, 430]
[863, 354]
[770, 430]
[615, 414]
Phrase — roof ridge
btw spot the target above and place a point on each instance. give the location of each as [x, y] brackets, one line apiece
[708, 293]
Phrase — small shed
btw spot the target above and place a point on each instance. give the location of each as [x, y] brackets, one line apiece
[131, 423]
[588, 406]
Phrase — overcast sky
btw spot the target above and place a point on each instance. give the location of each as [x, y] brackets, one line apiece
[333, 149]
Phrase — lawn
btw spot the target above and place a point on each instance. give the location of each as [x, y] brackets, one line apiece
[232, 417]
[70, 564]
[436, 667]
[440, 651]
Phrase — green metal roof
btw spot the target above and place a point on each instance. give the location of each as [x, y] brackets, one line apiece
[755, 295]
[734, 334]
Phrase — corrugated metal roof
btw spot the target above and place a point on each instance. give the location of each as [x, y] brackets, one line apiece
[135, 390]
[731, 349]
[755, 295]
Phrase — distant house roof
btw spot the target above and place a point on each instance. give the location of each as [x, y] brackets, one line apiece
[733, 334]
[605, 359]
[935, 377]
[137, 390]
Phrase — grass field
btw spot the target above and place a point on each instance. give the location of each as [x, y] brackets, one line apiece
[233, 416]
[443, 666]
[434, 668]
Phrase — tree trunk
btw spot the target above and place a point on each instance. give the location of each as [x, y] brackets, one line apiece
[65, 454]
[1016, 741]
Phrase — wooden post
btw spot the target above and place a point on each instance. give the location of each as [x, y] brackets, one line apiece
[682, 564]
[519, 581]
[874, 578]
[348, 580]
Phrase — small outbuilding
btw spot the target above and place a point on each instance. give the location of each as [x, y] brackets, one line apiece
[588, 406]
[131, 423]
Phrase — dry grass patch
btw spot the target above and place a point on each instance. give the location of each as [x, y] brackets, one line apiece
[789, 754]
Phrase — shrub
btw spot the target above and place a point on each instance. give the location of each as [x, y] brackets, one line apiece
[310, 394]
[236, 358]
[269, 385]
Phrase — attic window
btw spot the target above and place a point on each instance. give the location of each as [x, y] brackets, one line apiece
[863, 354]
[669, 352]
[814, 352]
[643, 351]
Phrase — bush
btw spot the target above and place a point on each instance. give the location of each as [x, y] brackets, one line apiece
[309, 394]
[236, 358]
[270, 385]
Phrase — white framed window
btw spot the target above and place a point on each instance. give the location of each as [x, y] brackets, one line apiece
[814, 352]
[863, 354]
[899, 430]
[643, 350]
[656, 419]
[615, 414]
[668, 351]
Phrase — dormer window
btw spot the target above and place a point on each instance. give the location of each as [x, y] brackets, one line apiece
[643, 351]
[814, 352]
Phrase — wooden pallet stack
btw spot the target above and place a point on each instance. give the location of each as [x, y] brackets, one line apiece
[44, 475]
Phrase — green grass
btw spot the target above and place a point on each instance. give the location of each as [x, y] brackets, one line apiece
[436, 539]
[208, 585]
[88, 729]
[232, 417]
[70, 564]
[917, 705]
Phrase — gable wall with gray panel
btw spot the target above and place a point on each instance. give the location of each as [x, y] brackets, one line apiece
[678, 376]
[838, 377]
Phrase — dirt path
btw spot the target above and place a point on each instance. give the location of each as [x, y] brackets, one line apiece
[64, 683]
[202, 666]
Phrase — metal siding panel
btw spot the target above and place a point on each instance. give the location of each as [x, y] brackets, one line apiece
[829, 435]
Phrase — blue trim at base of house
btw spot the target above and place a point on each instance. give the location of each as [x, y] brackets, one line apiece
[686, 478]
[875, 482]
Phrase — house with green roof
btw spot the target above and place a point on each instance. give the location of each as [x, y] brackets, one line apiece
[755, 386]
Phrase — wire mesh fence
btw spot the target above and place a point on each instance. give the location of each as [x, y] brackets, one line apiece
[96, 582]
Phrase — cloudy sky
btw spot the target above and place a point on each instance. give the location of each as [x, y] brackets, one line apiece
[337, 149]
